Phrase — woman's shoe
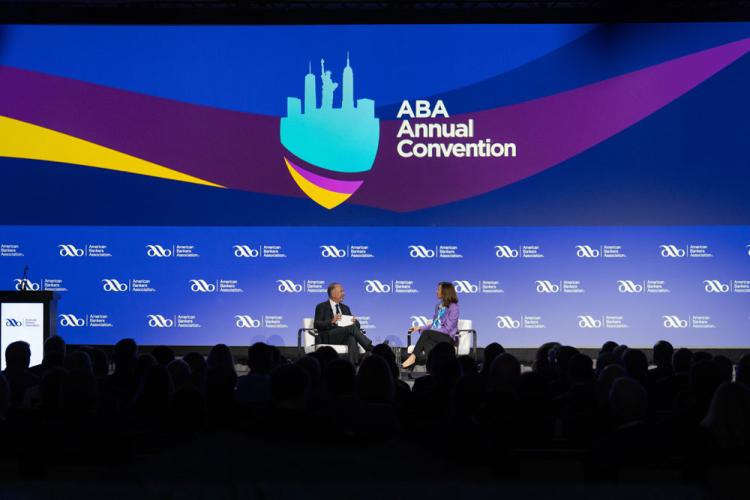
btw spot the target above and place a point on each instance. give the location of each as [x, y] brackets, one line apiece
[409, 363]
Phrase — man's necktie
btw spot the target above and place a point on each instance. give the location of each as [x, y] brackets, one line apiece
[338, 309]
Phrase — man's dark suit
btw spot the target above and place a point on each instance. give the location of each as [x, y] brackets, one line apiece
[349, 336]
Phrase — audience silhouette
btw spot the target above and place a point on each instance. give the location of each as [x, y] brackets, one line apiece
[685, 410]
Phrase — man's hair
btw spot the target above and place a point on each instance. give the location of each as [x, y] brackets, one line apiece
[331, 287]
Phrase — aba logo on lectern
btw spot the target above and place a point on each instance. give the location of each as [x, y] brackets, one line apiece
[12, 322]
[68, 250]
[587, 252]
[672, 321]
[330, 251]
[715, 286]
[158, 251]
[587, 321]
[672, 251]
[505, 252]
[114, 285]
[159, 321]
[546, 286]
[289, 286]
[507, 322]
[201, 286]
[377, 286]
[71, 320]
[629, 286]
[26, 284]
[246, 321]
[339, 144]
[245, 251]
[464, 286]
[421, 252]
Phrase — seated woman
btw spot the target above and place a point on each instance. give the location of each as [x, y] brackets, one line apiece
[444, 326]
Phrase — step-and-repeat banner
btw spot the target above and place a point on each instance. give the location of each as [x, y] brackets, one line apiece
[189, 185]
[521, 287]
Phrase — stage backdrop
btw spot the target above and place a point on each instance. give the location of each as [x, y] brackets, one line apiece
[189, 185]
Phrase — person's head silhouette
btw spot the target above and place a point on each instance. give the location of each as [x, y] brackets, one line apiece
[17, 356]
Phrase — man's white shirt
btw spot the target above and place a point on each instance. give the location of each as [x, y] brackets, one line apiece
[333, 307]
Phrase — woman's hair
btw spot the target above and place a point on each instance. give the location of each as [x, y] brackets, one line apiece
[449, 293]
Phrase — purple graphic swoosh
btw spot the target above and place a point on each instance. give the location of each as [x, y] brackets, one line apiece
[335, 185]
[243, 151]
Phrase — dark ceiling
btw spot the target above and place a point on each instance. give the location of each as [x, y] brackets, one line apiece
[329, 11]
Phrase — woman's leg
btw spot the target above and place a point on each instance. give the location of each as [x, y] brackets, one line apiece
[433, 338]
[419, 348]
[420, 345]
[427, 340]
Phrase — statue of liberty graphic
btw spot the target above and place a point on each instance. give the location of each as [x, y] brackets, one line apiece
[342, 140]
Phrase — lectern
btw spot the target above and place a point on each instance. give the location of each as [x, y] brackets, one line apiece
[28, 316]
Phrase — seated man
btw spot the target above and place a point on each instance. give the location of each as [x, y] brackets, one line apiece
[327, 316]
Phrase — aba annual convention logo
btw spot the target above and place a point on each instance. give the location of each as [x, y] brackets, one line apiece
[337, 144]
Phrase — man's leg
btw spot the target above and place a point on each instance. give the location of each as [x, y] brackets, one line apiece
[353, 356]
[361, 338]
[335, 336]
[343, 336]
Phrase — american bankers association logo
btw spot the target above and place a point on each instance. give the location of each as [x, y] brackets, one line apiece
[673, 321]
[71, 320]
[337, 144]
[331, 251]
[546, 286]
[672, 251]
[465, 286]
[629, 286]
[715, 286]
[505, 252]
[587, 321]
[201, 286]
[26, 284]
[587, 252]
[159, 321]
[507, 322]
[289, 286]
[377, 286]
[246, 321]
[114, 285]
[68, 250]
[245, 251]
[421, 252]
[158, 251]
